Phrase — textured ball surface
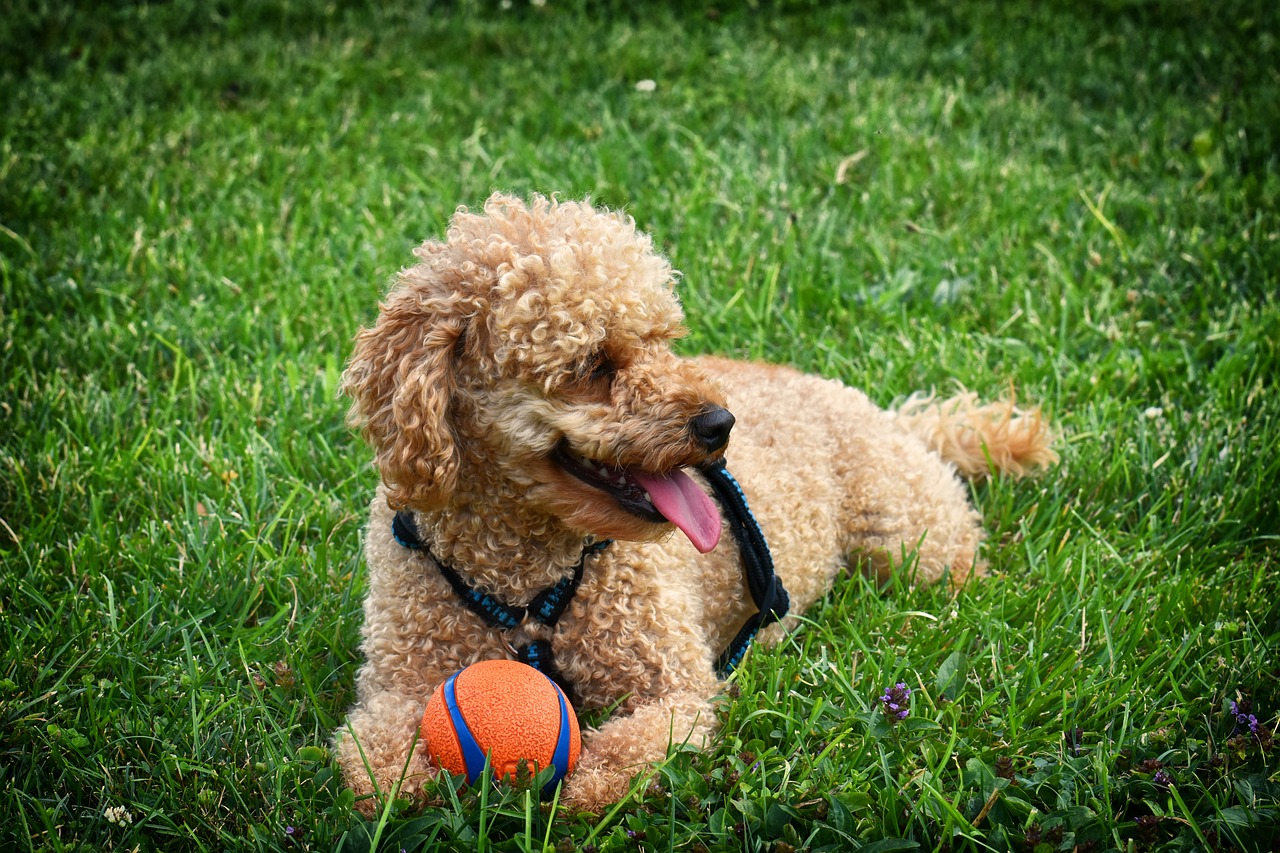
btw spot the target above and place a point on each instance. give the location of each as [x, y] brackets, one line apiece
[506, 710]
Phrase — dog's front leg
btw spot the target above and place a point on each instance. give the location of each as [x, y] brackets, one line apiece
[374, 750]
[625, 746]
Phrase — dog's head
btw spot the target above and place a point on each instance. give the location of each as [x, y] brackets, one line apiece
[529, 355]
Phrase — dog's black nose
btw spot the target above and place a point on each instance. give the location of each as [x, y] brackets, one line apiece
[712, 427]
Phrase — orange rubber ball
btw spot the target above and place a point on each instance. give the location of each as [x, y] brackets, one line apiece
[506, 711]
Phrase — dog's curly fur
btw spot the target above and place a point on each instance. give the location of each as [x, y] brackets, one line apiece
[546, 327]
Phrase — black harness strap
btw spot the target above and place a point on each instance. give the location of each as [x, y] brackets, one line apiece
[546, 608]
[767, 591]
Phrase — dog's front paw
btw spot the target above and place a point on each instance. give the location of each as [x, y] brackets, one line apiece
[627, 747]
[380, 755]
[375, 786]
[596, 784]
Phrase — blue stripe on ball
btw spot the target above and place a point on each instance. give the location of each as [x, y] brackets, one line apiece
[560, 759]
[472, 755]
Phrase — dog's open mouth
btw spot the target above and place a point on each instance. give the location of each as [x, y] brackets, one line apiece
[671, 497]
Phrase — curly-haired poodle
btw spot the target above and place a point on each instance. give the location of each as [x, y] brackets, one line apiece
[542, 448]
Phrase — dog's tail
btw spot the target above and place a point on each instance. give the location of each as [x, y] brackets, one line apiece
[979, 438]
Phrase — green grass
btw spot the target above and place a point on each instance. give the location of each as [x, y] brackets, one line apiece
[200, 204]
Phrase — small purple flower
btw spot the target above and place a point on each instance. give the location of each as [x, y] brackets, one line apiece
[290, 831]
[1244, 720]
[1162, 778]
[896, 702]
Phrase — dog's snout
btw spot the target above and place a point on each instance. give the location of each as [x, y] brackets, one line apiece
[712, 427]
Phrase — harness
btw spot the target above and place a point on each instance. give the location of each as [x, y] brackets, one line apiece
[546, 608]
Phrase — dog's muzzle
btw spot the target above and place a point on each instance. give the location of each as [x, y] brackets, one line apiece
[658, 496]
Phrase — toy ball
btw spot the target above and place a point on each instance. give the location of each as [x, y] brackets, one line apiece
[506, 711]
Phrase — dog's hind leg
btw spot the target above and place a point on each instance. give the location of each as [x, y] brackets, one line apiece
[905, 510]
[921, 517]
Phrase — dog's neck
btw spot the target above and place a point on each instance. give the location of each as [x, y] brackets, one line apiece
[501, 552]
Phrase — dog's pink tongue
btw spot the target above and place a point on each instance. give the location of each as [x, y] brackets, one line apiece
[685, 505]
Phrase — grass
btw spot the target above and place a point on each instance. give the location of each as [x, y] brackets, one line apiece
[200, 204]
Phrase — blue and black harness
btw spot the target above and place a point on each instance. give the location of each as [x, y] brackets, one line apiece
[548, 606]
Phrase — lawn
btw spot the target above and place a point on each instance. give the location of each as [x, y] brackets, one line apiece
[200, 204]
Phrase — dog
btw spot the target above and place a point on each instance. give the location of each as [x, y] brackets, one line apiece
[535, 431]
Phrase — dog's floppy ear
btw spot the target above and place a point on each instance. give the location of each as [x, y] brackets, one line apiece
[401, 380]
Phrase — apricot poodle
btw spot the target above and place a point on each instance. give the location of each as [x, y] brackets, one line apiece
[540, 443]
